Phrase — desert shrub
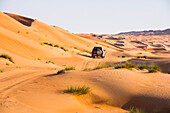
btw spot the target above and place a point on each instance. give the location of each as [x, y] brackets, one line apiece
[18, 31]
[27, 32]
[56, 46]
[78, 90]
[63, 49]
[75, 47]
[102, 66]
[48, 43]
[145, 57]
[65, 69]
[139, 53]
[127, 65]
[135, 110]
[86, 69]
[1, 70]
[154, 68]
[38, 58]
[142, 57]
[155, 54]
[7, 57]
[130, 65]
[123, 56]
[45, 43]
[7, 64]
[118, 66]
[50, 62]
[69, 68]
[142, 66]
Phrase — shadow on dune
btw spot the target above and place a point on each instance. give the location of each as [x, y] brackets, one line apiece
[149, 104]
[54, 74]
[23, 20]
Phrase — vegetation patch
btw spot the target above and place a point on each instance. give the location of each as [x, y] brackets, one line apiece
[7, 57]
[102, 66]
[142, 57]
[7, 64]
[78, 90]
[123, 56]
[155, 53]
[38, 58]
[46, 43]
[142, 66]
[65, 69]
[75, 47]
[1, 70]
[50, 62]
[86, 69]
[135, 110]
[127, 65]
[154, 68]
[56, 46]
[63, 49]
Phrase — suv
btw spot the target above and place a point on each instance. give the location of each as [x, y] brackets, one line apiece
[98, 51]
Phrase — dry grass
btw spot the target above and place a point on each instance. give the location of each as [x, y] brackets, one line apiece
[78, 90]
[65, 69]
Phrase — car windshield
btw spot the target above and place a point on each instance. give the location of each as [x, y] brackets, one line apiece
[97, 48]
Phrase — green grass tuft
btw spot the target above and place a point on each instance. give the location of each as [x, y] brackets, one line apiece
[56, 46]
[135, 110]
[7, 64]
[142, 57]
[102, 66]
[78, 90]
[50, 62]
[154, 68]
[86, 69]
[127, 65]
[7, 57]
[63, 49]
[46, 43]
[142, 66]
[65, 69]
[1, 70]
[123, 56]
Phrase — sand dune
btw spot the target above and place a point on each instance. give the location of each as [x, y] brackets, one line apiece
[30, 84]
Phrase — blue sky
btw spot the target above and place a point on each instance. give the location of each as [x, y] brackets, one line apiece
[95, 16]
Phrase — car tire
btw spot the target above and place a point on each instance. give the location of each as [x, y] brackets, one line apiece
[102, 56]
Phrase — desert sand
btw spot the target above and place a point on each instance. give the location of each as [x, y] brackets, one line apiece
[30, 84]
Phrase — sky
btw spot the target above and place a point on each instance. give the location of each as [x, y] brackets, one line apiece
[95, 16]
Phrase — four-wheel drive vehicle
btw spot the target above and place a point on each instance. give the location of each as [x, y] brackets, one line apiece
[98, 51]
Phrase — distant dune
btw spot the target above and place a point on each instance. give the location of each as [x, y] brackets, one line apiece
[146, 33]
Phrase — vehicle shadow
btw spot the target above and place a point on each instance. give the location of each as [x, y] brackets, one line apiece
[85, 55]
